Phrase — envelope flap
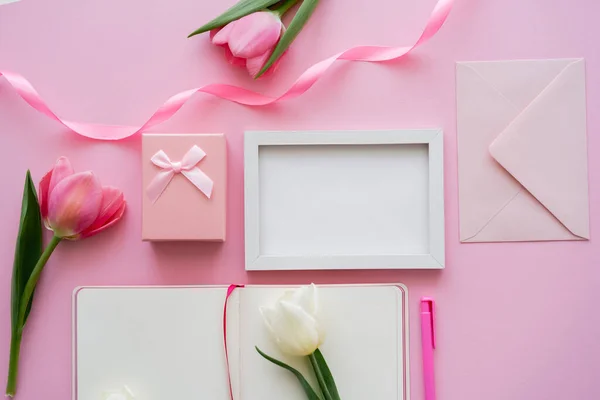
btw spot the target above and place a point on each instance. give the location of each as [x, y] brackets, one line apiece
[519, 81]
[545, 149]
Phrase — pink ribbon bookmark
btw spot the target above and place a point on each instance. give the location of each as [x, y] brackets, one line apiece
[230, 291]
[187, 167]
[228, 92]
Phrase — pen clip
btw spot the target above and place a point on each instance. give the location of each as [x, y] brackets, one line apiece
[428, 306]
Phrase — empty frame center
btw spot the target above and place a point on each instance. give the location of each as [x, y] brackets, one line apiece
[320, 200]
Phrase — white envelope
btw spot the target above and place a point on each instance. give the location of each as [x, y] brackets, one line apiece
[522, 151]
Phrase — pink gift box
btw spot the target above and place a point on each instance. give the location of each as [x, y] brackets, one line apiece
[192, 170]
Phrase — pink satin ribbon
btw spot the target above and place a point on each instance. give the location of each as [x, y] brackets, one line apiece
[187, 167]
[230, 291]
[228, 92]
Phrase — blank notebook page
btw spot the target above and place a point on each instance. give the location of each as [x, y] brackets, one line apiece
[164, 343]
[363, 345]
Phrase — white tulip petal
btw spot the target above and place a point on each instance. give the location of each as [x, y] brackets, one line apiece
[321, 333]
[270, 316]
[288, 295]
[289, 347]
[265, 312]
[283, 327]
[279, 323]
[306, 297]
[302, 329]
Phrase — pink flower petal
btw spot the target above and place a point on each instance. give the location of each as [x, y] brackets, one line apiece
[43, 194]
[61, 170]
[112, 200]
[74, 204]
[233, 60]
[255, 34]
[221, 37]
[116, 217]
[253, 65]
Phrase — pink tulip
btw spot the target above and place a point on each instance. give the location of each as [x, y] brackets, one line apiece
[75, 205]
[250, 40]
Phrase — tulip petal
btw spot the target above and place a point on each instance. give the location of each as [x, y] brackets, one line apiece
[306, 298]
[221, 37]
[74, 204]
[233, 60]
[282, 330]
[254, 65]
[43, 194]
[276, 322]
[268, 314]
[255, 34]
[113, 219]
[302, 329]
[112, 198]
[61, 170]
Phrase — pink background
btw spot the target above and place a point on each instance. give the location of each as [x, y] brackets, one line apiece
[516, 321]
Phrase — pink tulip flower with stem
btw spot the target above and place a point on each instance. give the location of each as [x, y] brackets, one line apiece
[253, 34]
[250, 40]
[73, 206]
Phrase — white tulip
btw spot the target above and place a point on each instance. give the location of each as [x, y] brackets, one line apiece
[122, 394]
[293, 321]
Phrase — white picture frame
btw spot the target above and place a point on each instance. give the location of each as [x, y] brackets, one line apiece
[267, 153]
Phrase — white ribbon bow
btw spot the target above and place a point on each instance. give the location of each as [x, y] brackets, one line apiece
[187, 167]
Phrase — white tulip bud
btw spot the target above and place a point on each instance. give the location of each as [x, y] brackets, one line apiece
[293, 321]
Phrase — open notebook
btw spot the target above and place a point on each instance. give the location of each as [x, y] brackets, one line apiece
[167, 343]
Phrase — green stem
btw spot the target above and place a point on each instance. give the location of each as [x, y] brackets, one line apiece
[320, 377]
[13, 364]
[17, 334]
[284, 7]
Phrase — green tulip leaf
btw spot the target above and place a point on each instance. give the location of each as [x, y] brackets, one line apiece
[300, 19]
[325, 373]
[236, 12]
[28, 249]
[310, 392]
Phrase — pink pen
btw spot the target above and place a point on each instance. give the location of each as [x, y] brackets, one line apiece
[428, 343]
